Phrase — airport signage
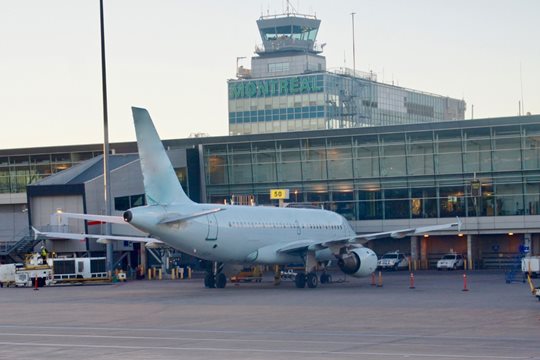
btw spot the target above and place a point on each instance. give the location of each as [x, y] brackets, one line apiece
[273, 87]
[279, 194]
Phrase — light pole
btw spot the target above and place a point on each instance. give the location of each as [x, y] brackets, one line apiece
[106, 172]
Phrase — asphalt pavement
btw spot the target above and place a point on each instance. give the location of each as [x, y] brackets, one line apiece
[347, 319]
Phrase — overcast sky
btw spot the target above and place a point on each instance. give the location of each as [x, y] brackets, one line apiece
[174, 58]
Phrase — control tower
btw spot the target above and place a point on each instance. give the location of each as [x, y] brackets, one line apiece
[289, 46]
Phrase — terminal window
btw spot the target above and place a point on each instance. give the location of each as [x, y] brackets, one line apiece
[123, 203]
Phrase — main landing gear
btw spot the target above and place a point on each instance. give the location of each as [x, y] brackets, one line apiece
[214, 276]
[310, 278]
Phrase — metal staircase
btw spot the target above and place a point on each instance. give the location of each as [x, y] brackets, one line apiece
[15, 250]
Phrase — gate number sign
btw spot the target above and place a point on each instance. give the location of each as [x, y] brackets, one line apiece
[279, 194]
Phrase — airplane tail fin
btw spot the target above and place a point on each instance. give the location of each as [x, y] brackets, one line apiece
[160, 181]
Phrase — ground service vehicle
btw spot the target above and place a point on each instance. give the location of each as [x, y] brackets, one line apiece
[531, 264]
[393, 261]
[76, 269]
[450, 262]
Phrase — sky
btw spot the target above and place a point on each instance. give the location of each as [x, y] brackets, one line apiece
[174, 57]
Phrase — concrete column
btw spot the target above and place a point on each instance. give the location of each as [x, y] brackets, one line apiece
[414, 253]
[414, 248]
[143, 257]
[423, 252]
[527, 242]
[535, 248]
[469, 251]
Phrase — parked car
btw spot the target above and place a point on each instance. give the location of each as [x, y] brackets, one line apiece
[450, 261]
[393, 260]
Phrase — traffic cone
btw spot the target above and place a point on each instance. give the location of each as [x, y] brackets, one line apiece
[411, 286]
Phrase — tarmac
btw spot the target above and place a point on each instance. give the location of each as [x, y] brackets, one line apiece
[347, 319]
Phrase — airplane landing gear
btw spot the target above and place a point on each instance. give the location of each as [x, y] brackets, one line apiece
[214, 277]
[209, 280]
[221, 280]
[300, 280]
[312, 280]
[310, 277]
[326, 278]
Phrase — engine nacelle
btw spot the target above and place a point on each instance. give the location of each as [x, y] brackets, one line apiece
[358, 262]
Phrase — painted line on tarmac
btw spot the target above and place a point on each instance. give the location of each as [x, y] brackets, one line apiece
[256, 332]
[232, 340]
[274, 351]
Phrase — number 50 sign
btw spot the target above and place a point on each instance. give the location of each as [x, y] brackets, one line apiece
[279, 194]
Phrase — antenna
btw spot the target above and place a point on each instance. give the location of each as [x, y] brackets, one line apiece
[353, 49]
[290, 7]
[521, 83]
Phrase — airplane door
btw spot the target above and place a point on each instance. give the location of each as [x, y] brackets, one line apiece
[298, 229]
[212, 227]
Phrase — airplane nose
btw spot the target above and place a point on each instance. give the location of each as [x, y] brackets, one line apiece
[128, 216]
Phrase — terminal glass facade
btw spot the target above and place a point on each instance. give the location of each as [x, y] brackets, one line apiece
[329, 100]
[17, 171]
[388, 175]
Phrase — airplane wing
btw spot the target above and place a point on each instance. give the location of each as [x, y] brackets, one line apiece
[75, 236]
[362, 239]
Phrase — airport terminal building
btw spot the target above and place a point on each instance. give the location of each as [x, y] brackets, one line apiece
[486, 171]
[289, 88]
[383, 156]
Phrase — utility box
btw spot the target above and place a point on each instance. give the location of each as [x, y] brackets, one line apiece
[531, 264]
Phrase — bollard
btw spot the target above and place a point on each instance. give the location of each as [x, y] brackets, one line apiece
[189, 272]
[411, 286]
[380, 280]
[373, 279]
[160, 274]
[36, 284]
[277, 275]
[149, 274]
[181, 273]
[465, 283]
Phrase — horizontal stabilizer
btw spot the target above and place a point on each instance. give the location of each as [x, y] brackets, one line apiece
[91, 217]
[172, 218]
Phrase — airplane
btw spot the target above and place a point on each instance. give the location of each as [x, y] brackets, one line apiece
[236, 234]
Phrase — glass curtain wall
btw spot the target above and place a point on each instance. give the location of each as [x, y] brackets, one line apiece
[406, 175]
[17, 171]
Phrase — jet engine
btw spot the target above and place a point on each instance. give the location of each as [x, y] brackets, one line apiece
[358, 262]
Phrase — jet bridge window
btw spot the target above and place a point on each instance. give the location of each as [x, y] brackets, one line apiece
[123, 203]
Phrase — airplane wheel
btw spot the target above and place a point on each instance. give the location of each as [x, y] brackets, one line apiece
[209, 281]
[300, 280]
[221, 280]
[325, 278]
[312, 280]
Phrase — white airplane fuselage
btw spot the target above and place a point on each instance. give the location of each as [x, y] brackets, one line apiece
[240, 234]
